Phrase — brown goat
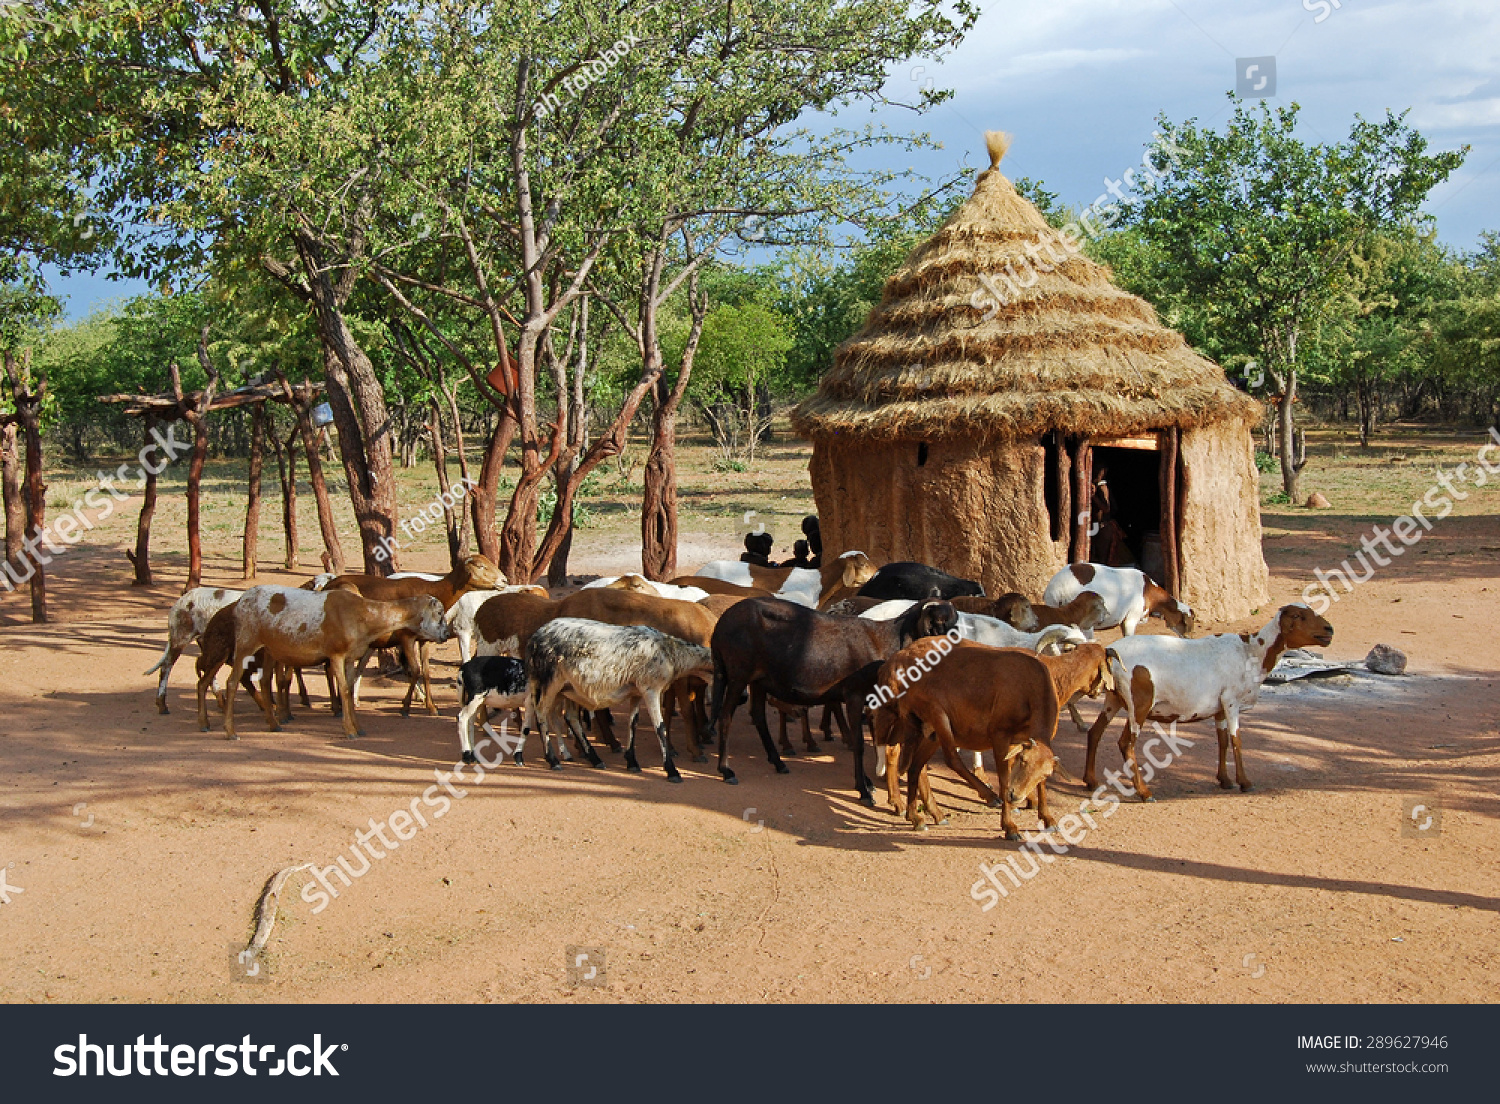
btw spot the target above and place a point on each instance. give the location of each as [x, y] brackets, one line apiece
[1087, 611]
[475, 573]
[505, 623]
[1014, 609]
[1082, 671]
[719, 586]
[978, 698]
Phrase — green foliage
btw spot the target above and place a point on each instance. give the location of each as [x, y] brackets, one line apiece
[1264, 461]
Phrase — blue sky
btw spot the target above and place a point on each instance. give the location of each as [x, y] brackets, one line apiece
[1079, 83]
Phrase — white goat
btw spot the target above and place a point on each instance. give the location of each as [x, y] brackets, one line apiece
[1163, 678]
[598, 666]
[991, 630]
[1129, 594]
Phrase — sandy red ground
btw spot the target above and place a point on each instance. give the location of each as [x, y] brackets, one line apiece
[1303, 890]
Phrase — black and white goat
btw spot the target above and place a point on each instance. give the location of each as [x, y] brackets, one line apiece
[598, 666]
[493, 682]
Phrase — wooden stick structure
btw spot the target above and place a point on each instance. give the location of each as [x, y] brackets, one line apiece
[194, 407]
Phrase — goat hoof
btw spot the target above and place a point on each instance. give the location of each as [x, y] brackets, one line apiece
[674, 778]
[1013, 837]
[700, 758]
[162, 709]
[596, 762]
[867, 800]
[789, 752]
[1147, 799]
[633, 768]
[1225, 784]
[555, 766]
[520, 762]
[1247, 787]
[469, 757]
[782, 768]
[730, 779]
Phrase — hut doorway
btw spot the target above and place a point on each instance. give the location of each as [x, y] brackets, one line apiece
[1126, 508]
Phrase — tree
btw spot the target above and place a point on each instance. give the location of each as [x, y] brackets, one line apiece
[742, 357]
[1257, 227]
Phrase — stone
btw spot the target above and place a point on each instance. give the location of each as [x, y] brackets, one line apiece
[1316, 501]
[1385, 660]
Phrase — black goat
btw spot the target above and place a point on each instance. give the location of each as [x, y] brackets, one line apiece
[802, 657]
[914, 581]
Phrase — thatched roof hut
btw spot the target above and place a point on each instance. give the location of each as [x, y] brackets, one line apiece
[1001, 379]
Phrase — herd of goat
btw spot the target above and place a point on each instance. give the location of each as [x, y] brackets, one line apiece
[923, 659]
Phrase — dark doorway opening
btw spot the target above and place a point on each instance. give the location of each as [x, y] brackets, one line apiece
[1127, 508]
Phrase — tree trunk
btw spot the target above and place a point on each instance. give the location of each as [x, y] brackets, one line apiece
[28, 404]
[15, 504]
[486, 538]
[359, 410]
[1286, 439]
[141, 557]
[440, 462]
[250, 553]
[659, 494]
[459, 446]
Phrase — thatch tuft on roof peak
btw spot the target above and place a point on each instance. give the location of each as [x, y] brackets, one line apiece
[997, 141]
[998, 325]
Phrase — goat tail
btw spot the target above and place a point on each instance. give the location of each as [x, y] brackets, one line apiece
[160, 663]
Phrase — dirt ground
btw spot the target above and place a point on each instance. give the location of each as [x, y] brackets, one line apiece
[134, 847]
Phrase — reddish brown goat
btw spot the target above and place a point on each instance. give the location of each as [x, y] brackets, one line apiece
[1000, 700]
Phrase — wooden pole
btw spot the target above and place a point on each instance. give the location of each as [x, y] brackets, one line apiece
[141, 557]
[1083, 499]
[250, 552]
[1167, 493]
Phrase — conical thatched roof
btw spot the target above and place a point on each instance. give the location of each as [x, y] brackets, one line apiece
[1071, 351]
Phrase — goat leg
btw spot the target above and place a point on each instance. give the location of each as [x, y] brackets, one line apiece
[854, 735]
[1002, 776]
[1112, 705]
[758, 715]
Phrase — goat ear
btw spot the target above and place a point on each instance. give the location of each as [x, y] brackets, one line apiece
[1107, 677]
[851, 574]
[1062, 775]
